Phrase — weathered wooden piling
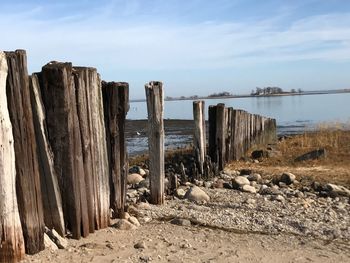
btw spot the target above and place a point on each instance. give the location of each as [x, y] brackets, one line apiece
[116, 106]
[27, 169]
[233, 132]
[11, 237]
[199, 137]
[155, 108]
[59, 98]
[51, 196]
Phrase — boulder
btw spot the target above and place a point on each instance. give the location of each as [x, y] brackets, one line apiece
[337, 190]
[316, 154]
[124, 224]
[134, 178]
[133, 220]
[249, 189]
[196, 194]
[180, 193]
[287, 178]
[239, 181]
[254, 177]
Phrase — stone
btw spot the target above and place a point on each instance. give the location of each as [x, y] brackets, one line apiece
[198, 182]
[219, 183]
[254, 177]
[133, 220]
[140, 245]
[279, 198]
[134, 169]
[134, 178]
[142, 172]
[196, 194]
[144, 183]
[316, 154]
[61, 242]
[145, 220]
[180, 193]
[287, 178]
[180, 222]
[208, 184]
[239, 181]
[245, 172]
[250, 201]
[258, 154]
[337, 190]
[49, 244]
[249, 189]
[228, 185]
[143, 205]
[124, 224]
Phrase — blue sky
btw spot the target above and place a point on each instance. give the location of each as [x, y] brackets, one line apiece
[194, 47]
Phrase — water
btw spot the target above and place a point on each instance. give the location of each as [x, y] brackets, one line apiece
[287, 110]
[293, 114]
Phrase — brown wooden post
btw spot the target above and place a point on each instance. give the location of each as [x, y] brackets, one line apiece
[51, 196]
[59, 99]
[155, 108]
[221, 135]
[116, 106]
[27, 168]
[11, 236]
[199, 138]
[212, 133]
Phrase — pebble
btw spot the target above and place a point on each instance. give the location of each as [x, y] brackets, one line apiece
[140, 245]
[133, 220]
[181, 222]
[287, 178]
[180, 193]
[254, 177]
[249, 189]
[279, 198]
[239, 181]
[124, 224]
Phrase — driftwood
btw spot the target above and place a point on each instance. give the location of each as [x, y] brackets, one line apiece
[155, 108]
[27, 168]
[116, 106]
[51, 196]
[199, 137]
[11, 236]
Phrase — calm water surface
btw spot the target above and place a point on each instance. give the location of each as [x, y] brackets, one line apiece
[287, 110]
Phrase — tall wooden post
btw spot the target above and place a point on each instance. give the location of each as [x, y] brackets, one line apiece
[27, 169]
[212, 133]
[221, 134]
[199, 138]
[116, 106]
[51, 196]
[155, 108]
[11, 236]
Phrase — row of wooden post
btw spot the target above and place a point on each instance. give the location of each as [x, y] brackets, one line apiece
[63, 158]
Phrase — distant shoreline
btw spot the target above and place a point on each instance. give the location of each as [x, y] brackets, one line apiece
[318, 92]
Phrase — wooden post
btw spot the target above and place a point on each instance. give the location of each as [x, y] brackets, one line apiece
[116, 106]
[51, 196]
[11, 236]
[221, 135]
[212, 133]
[27, 168]
[155, 108]
[199, 134]
[59, 98]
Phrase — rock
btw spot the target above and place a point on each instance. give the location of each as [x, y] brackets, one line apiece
[133, 220]
[198, 182]
[140, 245]
[144, 183]
[131, 193]
[239, 181]
[180, 193]
[142, 172]
[181, 222]
[254, 177]
[273, 153]
[124, 224]
[265, 190]
[49, 244]
[282, 185]
[145, 220]
[279, 198]
[249, 189]
[337, 190]
[219, 183]
[61, 242]
[245, 171]
[134, 178]
[134, 169]
[143, 205]
[228, 185]
[208, 184]
[287, 178]
[258, 154]
[196, 194]
[126, 215]
[316, 154]
[250, 201]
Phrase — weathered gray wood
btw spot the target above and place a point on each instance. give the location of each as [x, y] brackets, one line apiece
[27, 169]
[221, 134]
[199, 139]
[99, 150]
[51, 196]
[155, 108]
[11, 236]
[64, 135]
[116, 106]
[212, 133]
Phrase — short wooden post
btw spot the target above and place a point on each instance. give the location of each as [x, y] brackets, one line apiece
[116, 106]
[51, 196]
[199, 138]
[155, 108]
[27, 168]
[11, 236]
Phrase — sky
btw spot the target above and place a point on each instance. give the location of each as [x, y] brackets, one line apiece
[195, 47]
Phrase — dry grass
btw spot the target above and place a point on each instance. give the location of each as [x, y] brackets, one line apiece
[335, 167]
